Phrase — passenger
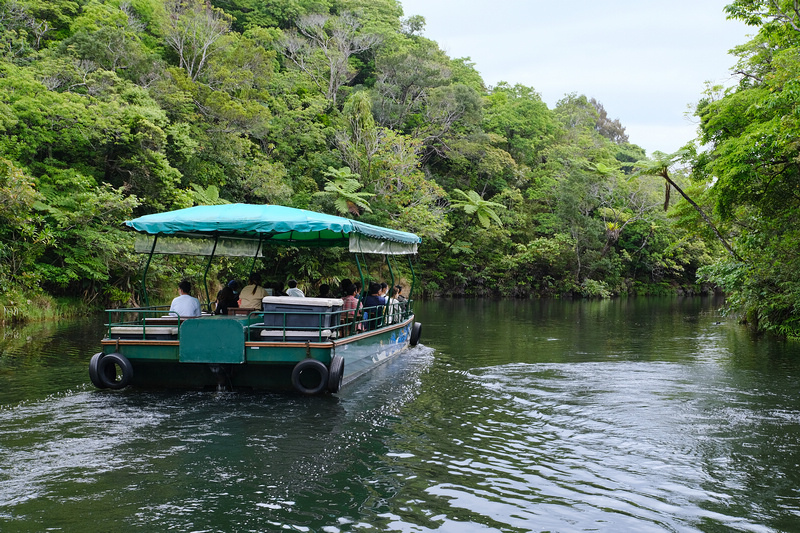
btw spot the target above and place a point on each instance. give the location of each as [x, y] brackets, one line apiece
[277, 289]
[250, 297]
[402, 301]
[350, 304]
[394, 306]
[344, 285]
[384, 291]
[373, 304]
[227, 298]
[324, 291]
[400, 297]
[293, 290]
[184, 305]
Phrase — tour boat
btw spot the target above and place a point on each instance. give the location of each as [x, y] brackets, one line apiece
[309, 345]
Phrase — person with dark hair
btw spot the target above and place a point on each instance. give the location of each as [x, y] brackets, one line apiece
[324, 291]
[373, 305]
[227, 298]
[277, 289]
[293, 290]
[184, 305]
[349, 304]
[400, 297]
[344, 286]
[394, 312]
[402, 301]
[250, 297]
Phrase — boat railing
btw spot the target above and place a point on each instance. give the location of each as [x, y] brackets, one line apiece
[153, 322]
[158, 323]
[288, 326]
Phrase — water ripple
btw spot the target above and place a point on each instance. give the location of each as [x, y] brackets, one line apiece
[579, 447]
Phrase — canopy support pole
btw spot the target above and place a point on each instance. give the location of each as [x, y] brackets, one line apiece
[361, 275]
[255, 257]
[413, 282]
[356, 317]
[391, 286]
[144, 274]
[205, 274]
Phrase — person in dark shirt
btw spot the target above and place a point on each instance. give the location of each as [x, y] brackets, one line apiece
[227, 298]
[344, 286]
[373, 306]
[324, 291]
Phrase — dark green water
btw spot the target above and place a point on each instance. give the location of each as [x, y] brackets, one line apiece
[628, 415]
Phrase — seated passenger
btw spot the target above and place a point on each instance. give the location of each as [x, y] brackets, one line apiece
[400, 297]
[184, 305]
[344, 286]
[373, 306]
[293, 290]
[227, 298]
[349, 304]
[324, 291]
[250, 297]
[384, 291]
[395, 311]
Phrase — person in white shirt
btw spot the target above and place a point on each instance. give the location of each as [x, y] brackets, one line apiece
[185, 305]
[293, 290]
[394, 306]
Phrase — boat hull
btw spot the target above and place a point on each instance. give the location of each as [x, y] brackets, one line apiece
[220, 356]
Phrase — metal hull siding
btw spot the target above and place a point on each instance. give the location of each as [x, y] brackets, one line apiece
[364, 353]
[217, 356]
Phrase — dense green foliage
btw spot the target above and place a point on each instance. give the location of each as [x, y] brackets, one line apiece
[750, 136]
[112, 108]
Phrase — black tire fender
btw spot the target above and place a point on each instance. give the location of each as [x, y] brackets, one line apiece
[335, 374]
[416, 332]
[310, 377]
[94, 374]
[107, 371]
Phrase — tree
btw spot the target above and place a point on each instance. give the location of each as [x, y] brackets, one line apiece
[749, 159]
[342, 186]
[472, 204]
[360, 141]
[21, 237]
[404, 78]
[193, 28]
[610, 129]
[659, 166]
[108, 36]
[206, 196]
[322, 46]
[522, 119]
[388, 163]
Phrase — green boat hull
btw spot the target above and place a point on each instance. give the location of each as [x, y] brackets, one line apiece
[223, 353]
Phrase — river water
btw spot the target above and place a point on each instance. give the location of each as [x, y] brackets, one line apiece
[624, 415]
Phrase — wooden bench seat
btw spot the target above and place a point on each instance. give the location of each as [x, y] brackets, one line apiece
[144, 332]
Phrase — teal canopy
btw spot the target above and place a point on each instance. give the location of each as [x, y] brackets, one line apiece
[241, 226]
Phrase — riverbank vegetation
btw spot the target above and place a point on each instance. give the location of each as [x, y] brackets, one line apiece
[111, 109]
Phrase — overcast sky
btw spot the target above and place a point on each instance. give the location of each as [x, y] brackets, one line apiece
[646, 61]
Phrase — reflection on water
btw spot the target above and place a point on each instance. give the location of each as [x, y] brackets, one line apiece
[624, 415]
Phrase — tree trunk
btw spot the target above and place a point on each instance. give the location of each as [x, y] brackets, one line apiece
[665, 175]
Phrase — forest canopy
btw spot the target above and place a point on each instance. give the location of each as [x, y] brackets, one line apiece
[111, 109]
